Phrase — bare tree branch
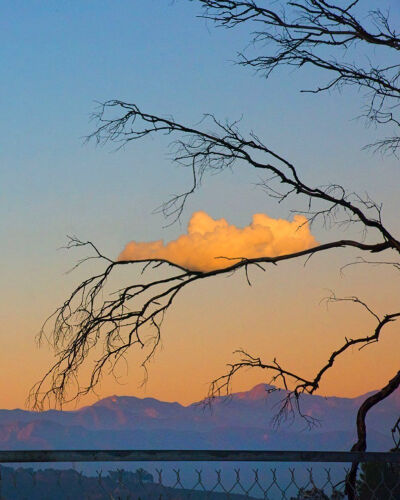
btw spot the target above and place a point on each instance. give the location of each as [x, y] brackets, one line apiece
[205, 151]
[361, 260]
[317, 33]
[396, 435]
[292, 382]
[83, 321]
[361, 444]
[86, 319]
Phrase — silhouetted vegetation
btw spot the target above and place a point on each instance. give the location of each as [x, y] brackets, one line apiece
[379, 481]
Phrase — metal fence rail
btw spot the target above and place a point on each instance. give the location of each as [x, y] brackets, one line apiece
[19, 456]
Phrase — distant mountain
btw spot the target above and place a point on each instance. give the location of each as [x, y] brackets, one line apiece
[241, 421]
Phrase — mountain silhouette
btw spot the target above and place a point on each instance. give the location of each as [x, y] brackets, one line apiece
[244, 420]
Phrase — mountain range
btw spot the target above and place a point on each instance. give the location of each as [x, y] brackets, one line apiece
[242, 421]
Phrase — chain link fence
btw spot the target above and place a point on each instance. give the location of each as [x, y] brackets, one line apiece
[376, 480]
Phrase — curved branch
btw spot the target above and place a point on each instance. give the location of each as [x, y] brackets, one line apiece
[396, 435]
[300, 33]
[361, 260]
[86, 320]
[361, 444]
[222, 385]
[204, 151]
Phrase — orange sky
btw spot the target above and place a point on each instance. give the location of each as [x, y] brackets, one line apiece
[280, 315]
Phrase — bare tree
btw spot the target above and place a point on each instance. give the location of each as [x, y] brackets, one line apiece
[295, 33]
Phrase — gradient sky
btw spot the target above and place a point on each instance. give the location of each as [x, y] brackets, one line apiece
[59, 58]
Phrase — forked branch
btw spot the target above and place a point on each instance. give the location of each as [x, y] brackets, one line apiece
[295, 384]
[86, 321]
[204, 151]
[324, 35]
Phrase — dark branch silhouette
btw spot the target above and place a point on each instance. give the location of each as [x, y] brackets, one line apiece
[396, 435]
[86, 319]
[327, 36]
[291, 402]
[361, 444]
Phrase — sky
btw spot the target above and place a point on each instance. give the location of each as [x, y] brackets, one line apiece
[59, 60]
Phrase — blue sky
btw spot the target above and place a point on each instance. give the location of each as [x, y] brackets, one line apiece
[61, 57]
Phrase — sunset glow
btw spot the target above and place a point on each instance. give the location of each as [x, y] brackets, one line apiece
[60, 61]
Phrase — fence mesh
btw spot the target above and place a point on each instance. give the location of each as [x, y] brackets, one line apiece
[375, 482]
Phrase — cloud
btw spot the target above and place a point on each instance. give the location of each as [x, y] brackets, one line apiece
[207, 239]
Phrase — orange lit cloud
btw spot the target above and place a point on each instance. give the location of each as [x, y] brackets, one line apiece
[207, 239]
